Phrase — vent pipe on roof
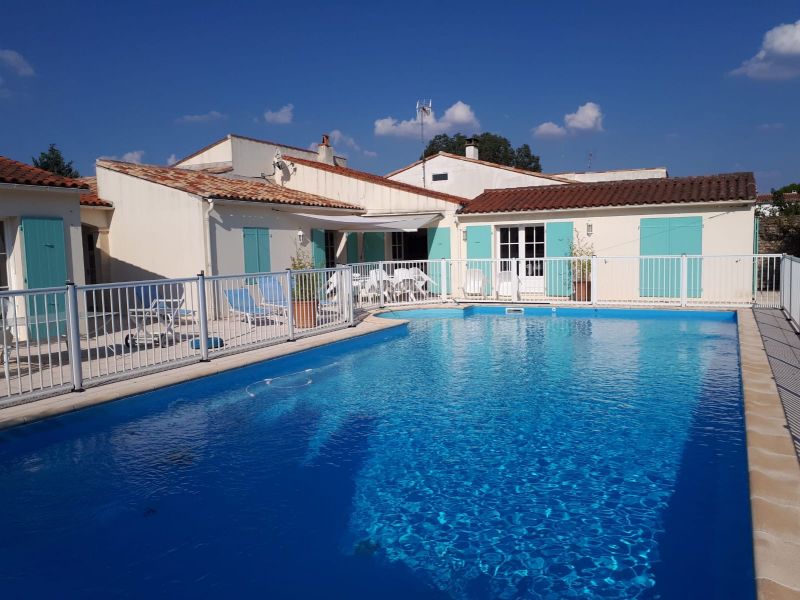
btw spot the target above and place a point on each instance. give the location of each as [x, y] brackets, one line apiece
[472, 148]
[324, 150]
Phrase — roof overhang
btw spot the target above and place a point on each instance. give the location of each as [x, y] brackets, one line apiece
[720, 203]
[282, 206]
[43, 188]
[359, 223]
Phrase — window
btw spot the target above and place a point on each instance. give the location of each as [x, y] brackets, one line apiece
[330, 248]
[439, 177]
[90, 256]
[3, 258]
[525, 243]
[398, 247]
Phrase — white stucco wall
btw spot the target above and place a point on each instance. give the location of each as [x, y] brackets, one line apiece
[619, 175]
[221, 152]
[24, 201]
[466, 178]
[726, 230]
[155, 231]
[616, 233]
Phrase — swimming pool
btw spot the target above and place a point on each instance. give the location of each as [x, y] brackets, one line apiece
[469, 454]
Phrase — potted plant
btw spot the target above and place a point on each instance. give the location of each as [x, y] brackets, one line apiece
[581, 249]
[305, 292]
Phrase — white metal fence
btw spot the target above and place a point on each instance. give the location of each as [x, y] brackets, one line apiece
[64, 338]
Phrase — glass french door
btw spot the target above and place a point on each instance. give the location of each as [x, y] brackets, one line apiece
[525, 243]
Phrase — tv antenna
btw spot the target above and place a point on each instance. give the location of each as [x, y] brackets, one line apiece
[424, 109]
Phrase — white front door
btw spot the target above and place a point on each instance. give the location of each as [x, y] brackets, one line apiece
[525, 243]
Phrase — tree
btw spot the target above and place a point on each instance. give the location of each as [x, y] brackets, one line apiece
[493, 148]
[780, 205]
[53, 161]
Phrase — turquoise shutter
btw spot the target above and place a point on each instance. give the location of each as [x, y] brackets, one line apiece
[318, 248]
[438, 243]
[45, 266]
[256, 249]
[558, 238]
[658, 277]
[438, 248]
[479, 245]
[374, 246]
[479, 241]
[670, 236]
[352, 248]
[686, 237]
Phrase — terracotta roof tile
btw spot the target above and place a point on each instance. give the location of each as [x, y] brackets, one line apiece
[12, 171]
[225, 188]
[377, 179]
[672, 190]
[92, 199]
[787, 197]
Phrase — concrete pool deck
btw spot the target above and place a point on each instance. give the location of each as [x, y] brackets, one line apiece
[773, 465]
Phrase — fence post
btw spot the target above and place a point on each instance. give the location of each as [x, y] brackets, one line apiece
[782, 282]
[380, 284]
[202, 311]
[443, 280]
[74, 337]
[684, 279]
[515, 279]
[350, 297]
[289, 306]
[593, 279]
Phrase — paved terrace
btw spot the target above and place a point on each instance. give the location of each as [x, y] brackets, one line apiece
[782, 345]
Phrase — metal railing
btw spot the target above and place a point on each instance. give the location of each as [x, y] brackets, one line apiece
[59, 339]
[64, 338]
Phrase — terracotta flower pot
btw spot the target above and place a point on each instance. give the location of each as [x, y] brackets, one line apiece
[304, 313]
[581, 291]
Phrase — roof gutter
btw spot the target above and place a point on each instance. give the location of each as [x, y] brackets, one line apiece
[284, 206]
[724, 203]
[47, 188]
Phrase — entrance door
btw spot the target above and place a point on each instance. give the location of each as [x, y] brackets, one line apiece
[45, 266]
[525, 243]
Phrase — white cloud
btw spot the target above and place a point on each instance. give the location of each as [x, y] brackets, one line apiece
[171, 159]
[15, 61]
[770, 127]
[134, 156]
[282, 116]
[212, 115]
[549, 129]
[458, 116]
[588, 117]
[778, 57]
[341, 139]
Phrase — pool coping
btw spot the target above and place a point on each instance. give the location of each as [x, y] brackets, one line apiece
[774, 471]
[51, 406]
[773, 468]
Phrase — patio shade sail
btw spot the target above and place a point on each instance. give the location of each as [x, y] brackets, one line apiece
[358, 223]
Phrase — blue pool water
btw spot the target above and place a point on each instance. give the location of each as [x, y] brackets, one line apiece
[468, 455]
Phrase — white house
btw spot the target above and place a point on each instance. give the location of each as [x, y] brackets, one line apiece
[468, 176]
[40, 227]
[172, 222]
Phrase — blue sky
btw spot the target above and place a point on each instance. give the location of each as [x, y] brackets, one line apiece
[693, 86]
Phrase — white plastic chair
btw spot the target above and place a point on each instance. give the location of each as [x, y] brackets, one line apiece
[507, 284]
[473, 282]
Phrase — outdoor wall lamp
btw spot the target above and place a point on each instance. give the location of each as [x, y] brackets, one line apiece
[589, 227]
[300, 236]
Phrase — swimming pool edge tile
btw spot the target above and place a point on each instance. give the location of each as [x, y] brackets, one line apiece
[774, 471]
[52, 406]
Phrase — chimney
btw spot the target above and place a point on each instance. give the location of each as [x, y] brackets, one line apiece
[324, 150]
[472, 148]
